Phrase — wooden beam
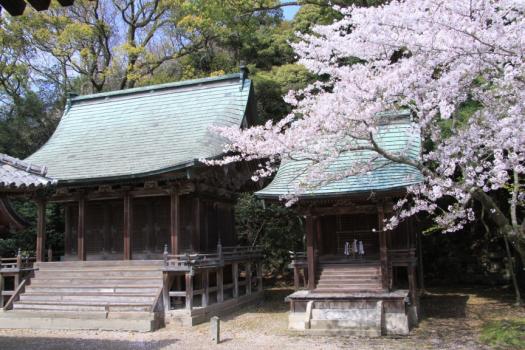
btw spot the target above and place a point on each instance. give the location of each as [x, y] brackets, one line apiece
[41, 230]
[383, 248]
[127, 228]
[174, 221]
[310, 251]
[81, 248]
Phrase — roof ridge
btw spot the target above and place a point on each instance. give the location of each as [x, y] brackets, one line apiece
[23, 165]
[150, 88]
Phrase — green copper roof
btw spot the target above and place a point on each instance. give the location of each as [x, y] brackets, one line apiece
[396, 136]
[142, 131]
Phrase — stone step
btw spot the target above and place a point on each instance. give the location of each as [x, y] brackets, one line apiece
[88, 298]
[349, 280]
[43, 321]
[21, 313]
[342, 286]
[347, 276]
[353, 289]
[58, 280]
[138, 289]
[80, 306]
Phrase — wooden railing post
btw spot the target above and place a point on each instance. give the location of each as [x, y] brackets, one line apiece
[166, 286]
[189, 290]
[220, 285]
[49, 254]
[235, 277]
[19, 259]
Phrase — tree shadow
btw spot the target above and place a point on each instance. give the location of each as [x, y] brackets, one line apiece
[444, 305]
[70, 343]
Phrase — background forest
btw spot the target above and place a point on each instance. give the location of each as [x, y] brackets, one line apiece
[106, 45]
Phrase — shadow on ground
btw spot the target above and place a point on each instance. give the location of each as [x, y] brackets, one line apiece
[51, 343]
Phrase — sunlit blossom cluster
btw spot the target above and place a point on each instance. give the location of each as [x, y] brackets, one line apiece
[430, 56]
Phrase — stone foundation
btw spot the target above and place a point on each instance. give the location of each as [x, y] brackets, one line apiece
[363, 314]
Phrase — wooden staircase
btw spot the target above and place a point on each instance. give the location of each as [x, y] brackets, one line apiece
[113, 295]
[349, 277]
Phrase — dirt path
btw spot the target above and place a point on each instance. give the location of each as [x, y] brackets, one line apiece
[452, 320]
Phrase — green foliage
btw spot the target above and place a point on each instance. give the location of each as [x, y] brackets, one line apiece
[271, 86]
[274, 227]
[26, 239]
[504, 334]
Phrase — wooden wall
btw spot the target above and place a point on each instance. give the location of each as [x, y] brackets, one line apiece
[202, 221]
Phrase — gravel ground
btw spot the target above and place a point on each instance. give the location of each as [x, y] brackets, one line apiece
[452, 320]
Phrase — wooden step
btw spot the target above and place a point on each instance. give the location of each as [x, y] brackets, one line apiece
[81, 306]
[82, 281]
[97, 274]
[99, 263]
[139, 289]
[89, 298]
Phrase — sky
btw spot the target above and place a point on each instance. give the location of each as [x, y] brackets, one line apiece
[290, 11]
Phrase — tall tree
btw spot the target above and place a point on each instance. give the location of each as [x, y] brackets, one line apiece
[432, 57]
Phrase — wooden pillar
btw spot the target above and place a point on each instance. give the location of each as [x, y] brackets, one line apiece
[296, 277]
[174, 221]
[189, 291]
[259, 276]
[106, 229]
[67, 229]
[196, 233]
[81, 247]
[235, 277]
[319, 237]
[383, 249]
[205, 288]
[128, 215]
[310, 251]
[41, 230]
[248, 278]
[220, 285]
[419, 253]
[412, 284]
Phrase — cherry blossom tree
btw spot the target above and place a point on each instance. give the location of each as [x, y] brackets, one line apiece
[435, 58]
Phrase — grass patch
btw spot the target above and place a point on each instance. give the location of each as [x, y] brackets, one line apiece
[504, 334]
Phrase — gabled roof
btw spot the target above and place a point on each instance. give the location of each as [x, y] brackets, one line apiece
[396, 136]
[16, 175]
[143, 131]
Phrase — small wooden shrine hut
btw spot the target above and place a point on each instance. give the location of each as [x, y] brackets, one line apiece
[149, 228]
[367, 287]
